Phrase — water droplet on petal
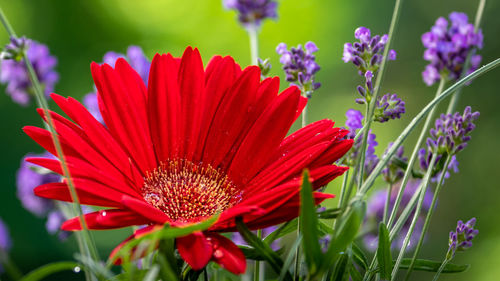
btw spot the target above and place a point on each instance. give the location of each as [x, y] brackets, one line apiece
[218, 254]
[103, 213]
[76, 269]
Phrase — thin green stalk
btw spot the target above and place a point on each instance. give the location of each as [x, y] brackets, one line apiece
[387, 203]
[428, 217]
[378, 81]
[364, 143]
[342, 196]
[416, 120]
[477, 23]
[413, 157]
[257, 273]
[90, 246]
[424, 184]
[441, 268]
[304, 116]
[10, 268]
[254, 43]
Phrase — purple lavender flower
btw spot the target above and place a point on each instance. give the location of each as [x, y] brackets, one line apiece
[5, 241]
[353, 123]
[425, 158]
[375, 213]
[392, 173]
[447, 48]
[366, 54]
[137, 60]
[14, 73]
[238, 239]
[54, 221]
[300, 65]
[92, 105]
[135, 57]
[452, 132]
[27, 179]
[388, 107]
[461, 239]
[252, 12]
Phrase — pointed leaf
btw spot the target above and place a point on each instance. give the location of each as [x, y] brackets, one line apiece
[309, 225]
[262, 248]
[330, 213]
[340, 272]
[384, 257]
[433, 266]
[350, 223]
[283, 230]
[359, 256]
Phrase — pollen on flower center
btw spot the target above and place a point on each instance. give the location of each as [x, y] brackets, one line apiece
[188, 192]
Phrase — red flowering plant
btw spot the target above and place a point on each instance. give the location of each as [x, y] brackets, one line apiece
[188, 154]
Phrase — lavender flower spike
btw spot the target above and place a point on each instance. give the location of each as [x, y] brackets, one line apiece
[252, 12]
[388, 107]
[452, 132]
[447, 48]
[14, 73]
[392, 173]
[461, 239]
[27, 179]
[300, 65]
[367, 53]
[5, 241]
[353, 123]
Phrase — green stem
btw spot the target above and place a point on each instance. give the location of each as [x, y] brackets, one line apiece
[90, 246]
[378, 81]
[424, 185]
[254, 43]
[428, 217]
[10, 268]
[441, 268]
[387, 202]
[256, 273]
[416, 120]
[413, 157]
[477, 23]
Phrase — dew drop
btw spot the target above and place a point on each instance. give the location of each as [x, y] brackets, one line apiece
[76, 269]
[103, 213]
[218, 254]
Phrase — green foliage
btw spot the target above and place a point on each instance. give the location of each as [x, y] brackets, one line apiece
[433, 266]
[384, 257]
[309, 225]
[48, 269]
[262, 248]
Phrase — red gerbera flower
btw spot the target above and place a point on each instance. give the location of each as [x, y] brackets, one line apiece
[194, 143]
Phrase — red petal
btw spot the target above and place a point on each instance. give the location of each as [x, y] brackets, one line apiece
[191, 82]
[227, 254]
[195, 249]
[145, 210]
[106, 219]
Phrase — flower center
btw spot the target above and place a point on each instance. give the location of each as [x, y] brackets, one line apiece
[188, 192]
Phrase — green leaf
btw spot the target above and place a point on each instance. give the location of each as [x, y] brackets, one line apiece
[354, 273]
[251, 254]
[324, 229]
[432, 266]
[283, 230]
[166, 232]
[166, 270]
[340, 272]
[48, 269]
[152, 273]
[309, 225]
[262, 248]
[359, 256]
[384, 257]
[330, 213]
[289, 259]
[350, 223]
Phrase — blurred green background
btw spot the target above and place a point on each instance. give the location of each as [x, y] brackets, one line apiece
[78, 32]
